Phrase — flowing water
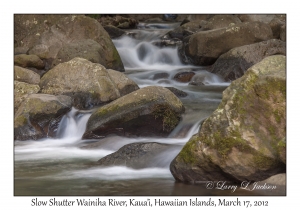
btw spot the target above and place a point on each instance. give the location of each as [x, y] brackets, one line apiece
[63, 166]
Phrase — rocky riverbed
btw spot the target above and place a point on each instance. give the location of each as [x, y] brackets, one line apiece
[120, 101]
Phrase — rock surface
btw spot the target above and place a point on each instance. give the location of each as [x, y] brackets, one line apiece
[24, 60]
[233, 64]
[122, 82]
[239, 141]
[89, 84]
[204, 48]
[21, 91]
[220, 21]
[26, 75]
[150, 111]
[39, 116]
[137, 156]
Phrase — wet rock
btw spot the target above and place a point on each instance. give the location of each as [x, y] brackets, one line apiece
[114, 32]
[178, 93]
[162, 75]
[89, 84]
[184, 76]
[205, 78]
[235, 62]
[21, 91]
[137, 156]
[216, 42]
[24, 60]
[239, 141]
[26, 75]
[150, 111]
[122, 82]
[39, 116]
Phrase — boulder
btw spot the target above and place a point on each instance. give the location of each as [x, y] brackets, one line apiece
[150, 111]
[52, 35]
[220, 21]
[114, 32]
[253, 18]
[204, 48]
[39, 116]
[89, 84]
[21, 91]
[137, 156]
[234, 63]
[85, 48]
[122, 82]
[26, 75]
[28, 28]
[239, 141]
[24, 60]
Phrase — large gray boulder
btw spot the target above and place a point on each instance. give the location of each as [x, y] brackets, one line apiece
[150, 111]
[50, 34]
[240, 140]
[234, 63]
[204, 48]
[39, 116]
[89, 84]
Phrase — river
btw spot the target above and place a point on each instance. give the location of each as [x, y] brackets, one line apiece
[62, 166]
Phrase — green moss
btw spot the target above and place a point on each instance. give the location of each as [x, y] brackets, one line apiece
[186, 154]
[262, 161]
[20, 121]
[169, 118]
[282, 143]
[224, 143]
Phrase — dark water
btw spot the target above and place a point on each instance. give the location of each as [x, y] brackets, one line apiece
[62, 166]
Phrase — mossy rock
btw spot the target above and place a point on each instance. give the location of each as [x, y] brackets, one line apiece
[242, 137]
[39, 116]
[150, 111]
[89, 84]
